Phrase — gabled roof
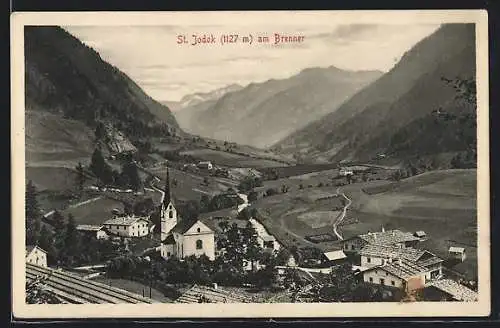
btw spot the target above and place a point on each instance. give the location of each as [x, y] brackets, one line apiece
[456, 249]
[420, 233]
[30, 248]
[125, 220]
[392, 251]
[88, 227]
[335, 255]
[388, 237]
[184, 225]
[456, 290]
[169, 240]
[402, 268]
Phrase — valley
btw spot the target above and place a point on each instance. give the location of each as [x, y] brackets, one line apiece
[307, 163]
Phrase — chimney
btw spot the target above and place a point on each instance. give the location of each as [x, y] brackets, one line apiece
[399, 262]
[214, 285]
[383, 230]
[393, 233]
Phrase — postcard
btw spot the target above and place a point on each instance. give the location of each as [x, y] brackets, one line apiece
[250, 164]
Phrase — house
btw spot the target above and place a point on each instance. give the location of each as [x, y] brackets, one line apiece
[389, 237]
[96, 231]
[400, 273]
[205, 165]
[36, 255]
[345, 172]
[182, 238]
[376, 255]
[128, 226]
[457, 253]
[420, 234]
[334, 257]
[449, 290]
[267, 242]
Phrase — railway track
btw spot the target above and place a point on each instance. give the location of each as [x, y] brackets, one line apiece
[78, 290]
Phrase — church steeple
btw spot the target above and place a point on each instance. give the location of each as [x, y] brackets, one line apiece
[167, 198]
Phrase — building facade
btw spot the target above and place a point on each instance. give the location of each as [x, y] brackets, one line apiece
[128, 226]
[390, 237]
[36, 255]
[98, 232]
[399, 273]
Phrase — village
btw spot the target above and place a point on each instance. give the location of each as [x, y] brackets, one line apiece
[230, 256]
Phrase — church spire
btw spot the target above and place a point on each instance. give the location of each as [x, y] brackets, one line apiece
[167, 197]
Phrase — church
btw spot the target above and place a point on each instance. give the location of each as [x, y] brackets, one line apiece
[183, 238]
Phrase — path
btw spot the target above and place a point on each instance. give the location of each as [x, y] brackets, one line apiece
[342, 215]
[85, 202]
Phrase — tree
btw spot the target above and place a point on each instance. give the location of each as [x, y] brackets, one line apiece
[80, 176]
[58, 221]
[100, 168]
[131, 172]
[32, 213]
[252, 196]
[271, 192]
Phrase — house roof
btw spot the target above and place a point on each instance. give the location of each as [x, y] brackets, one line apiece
[30, 248]
[456, 249]
[420, 233]
[184, 225]
[212, 295]
[455, 289]
[335, 255]
[388, 237]
[268, 238]
[88, 227]
[169, 240]
[125, 220]
[403, 269]
[391, 251]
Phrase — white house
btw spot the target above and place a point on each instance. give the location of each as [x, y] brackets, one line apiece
[345, 172]
[376, 255]
[334, 257]
[96, 231]
[187, 238]
[128, 226]
[399, 273]
[457, 253]
[205, 165]
[36, 255]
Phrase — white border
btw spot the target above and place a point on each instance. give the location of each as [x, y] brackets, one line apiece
[423, 309]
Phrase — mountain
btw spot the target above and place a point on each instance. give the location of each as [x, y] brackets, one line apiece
[274, 108]
[398, 115]
[69, 80]
[190, 106]
[196, 98]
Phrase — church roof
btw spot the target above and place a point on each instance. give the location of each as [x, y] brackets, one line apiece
[184, 225]
[169, 240]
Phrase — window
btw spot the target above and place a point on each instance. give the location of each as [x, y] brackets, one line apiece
[199, 244]
[198, 230]
[369, 260]
[171, 214]
[393, 283]
[371, 279]
[386, 274]
[352, 247]
[382, 281]
[346, 246]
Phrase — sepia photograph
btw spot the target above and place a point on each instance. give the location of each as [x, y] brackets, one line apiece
[183, 164]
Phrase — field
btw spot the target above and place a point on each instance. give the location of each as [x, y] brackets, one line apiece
[224, 158]
[297, 214]
[190, 186]
[442, 203]
[95, 212]
[53, 178]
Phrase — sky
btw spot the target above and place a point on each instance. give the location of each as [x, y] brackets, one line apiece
[167, 71]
